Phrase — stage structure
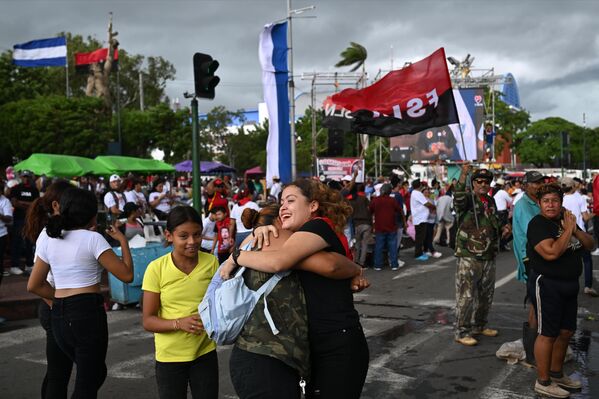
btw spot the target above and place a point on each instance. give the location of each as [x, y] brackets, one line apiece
[335, 79]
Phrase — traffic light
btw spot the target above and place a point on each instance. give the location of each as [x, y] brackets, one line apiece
[203, 73]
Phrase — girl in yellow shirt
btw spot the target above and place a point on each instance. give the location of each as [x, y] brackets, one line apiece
[173, 286]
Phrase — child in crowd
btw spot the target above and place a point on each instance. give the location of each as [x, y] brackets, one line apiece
[224, 239]
[174, 286]
[208, 233]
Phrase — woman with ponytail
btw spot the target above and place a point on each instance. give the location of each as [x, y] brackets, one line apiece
[264, 365]
[58, 364]
[76, 255]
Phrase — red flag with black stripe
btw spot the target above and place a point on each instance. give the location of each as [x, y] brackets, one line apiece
[83, 60]
[405, 101]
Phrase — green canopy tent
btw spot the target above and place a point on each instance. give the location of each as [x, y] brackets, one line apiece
[119, 164]
[56, 165]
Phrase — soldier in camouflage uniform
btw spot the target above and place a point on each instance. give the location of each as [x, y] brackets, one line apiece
[477, 244]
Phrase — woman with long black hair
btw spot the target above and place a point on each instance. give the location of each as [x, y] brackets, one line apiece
[76, 255]
[58, 365]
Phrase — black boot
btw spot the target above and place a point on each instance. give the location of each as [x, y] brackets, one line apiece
[529, 336]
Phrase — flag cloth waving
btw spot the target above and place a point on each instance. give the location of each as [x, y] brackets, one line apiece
[405, 101]
[41, 53]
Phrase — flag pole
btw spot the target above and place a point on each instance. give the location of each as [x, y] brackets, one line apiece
[468, 182]
[67, 68]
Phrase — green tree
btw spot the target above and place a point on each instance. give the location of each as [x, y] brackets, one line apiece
[54, 125]
[540, 144]
[355, 55]
[22, 83]
[509, 122]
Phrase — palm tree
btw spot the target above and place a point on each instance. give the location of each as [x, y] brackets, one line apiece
[354, 54]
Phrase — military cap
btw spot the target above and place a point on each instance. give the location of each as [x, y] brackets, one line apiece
[482, 174]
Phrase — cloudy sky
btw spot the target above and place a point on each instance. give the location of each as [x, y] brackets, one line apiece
[551, 46]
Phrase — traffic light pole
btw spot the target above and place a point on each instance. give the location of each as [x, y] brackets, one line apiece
[195, 156]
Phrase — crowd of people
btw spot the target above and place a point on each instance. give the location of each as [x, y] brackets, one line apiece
[325, 233]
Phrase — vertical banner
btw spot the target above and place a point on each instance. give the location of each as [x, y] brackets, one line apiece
[273, 59]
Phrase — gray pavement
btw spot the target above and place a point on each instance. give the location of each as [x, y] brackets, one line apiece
[407, 316]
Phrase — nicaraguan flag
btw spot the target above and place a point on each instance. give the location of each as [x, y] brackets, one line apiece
[273, 58]
[41, 53]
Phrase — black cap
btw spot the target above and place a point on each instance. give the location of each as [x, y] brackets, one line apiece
[482, 174]
[532, 176]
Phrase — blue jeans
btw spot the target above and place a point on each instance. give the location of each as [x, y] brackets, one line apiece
[390, 241]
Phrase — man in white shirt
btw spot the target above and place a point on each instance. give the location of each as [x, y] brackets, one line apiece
[420, 207]
[276, 188]
[114, 199]
[576, 203]
[503, 201]
[208, 231]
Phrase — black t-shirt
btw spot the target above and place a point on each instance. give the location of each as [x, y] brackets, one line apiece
[566, 267]
[330, 303]
[23, 193]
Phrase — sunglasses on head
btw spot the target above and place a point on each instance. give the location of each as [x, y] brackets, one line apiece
[482, 181]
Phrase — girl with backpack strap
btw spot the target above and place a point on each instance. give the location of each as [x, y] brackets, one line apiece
[273, 365]
[173, 286]
[339, 353]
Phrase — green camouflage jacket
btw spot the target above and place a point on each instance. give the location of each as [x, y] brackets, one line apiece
[481, 243]
[287, 306]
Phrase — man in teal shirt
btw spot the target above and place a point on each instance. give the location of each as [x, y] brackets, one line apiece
[524, 210]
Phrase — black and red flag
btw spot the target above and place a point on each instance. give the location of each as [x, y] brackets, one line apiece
[405, 101]
[83, 60]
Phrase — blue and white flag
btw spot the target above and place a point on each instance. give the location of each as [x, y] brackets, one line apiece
[41, 53]
[273, 58]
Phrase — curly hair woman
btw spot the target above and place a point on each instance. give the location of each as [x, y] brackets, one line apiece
[339, 353]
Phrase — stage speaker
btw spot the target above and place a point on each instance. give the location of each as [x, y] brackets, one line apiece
[401, 154]
[335, 148]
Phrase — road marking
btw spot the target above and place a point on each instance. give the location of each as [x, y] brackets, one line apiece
[378, 372]
[29, 334]
[500, 393]
[505, 280]
[493, 390]
[37, 357]
[424, 268]
[139, 367]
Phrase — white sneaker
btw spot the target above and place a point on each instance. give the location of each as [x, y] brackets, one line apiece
[595, 252]
[590, 291]
[428, 253]
[400, 263]
[437, 254]
[117, 306]
[15, 271]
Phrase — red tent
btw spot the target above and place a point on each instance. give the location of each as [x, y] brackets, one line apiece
[257, 170]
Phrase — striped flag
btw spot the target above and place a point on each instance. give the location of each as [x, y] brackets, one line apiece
[41, 53]
[273, 58]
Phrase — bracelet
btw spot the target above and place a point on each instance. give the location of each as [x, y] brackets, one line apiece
[176, 325]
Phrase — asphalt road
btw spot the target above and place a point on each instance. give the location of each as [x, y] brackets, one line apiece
[407, 316]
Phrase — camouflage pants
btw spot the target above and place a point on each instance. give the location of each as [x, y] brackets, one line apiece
[474, 289]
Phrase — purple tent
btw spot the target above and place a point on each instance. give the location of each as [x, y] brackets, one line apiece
[206, 167]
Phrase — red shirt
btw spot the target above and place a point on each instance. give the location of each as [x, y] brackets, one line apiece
[385, 210]
[223, 235]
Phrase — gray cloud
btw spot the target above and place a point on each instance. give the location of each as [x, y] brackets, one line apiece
[551, 46]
